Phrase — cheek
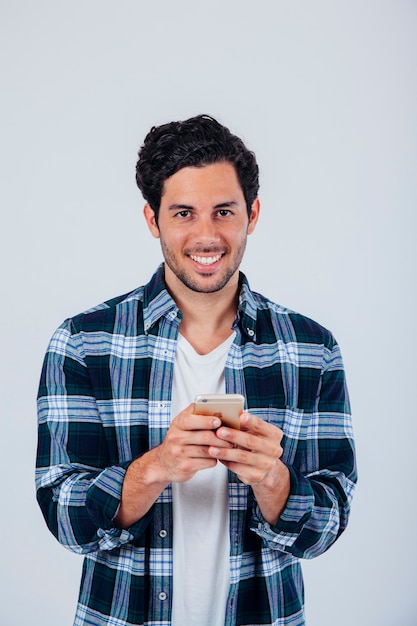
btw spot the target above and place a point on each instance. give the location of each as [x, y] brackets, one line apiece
[240, 242]
[172, 248]
[170, 240]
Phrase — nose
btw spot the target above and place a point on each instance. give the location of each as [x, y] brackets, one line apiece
[206, 231]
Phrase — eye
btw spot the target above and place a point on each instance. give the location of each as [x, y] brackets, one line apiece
[183, 214]
[224, 212]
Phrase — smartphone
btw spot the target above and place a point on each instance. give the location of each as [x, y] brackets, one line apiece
[227, 406]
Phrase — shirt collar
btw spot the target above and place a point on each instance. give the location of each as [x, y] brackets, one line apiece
[159, 303]
[247, 309]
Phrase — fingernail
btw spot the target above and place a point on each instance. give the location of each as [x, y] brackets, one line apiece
[216, 422]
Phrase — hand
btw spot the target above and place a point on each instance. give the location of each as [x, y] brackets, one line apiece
[185, 449]
[255, 450]
[255, 458]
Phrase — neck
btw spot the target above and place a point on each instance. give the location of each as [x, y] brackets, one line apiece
[207, 317]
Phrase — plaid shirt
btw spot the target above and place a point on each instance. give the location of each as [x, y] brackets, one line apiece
[105, 398]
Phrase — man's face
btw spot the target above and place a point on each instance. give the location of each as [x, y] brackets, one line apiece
[203, 226]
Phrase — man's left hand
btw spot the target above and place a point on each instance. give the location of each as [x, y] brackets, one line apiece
[255, 459]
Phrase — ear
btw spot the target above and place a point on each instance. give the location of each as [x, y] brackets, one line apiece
[149, 215]
[254, 216]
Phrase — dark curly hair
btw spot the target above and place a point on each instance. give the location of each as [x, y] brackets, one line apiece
[195, 142]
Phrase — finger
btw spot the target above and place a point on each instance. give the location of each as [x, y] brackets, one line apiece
[250, 467]
[188, 467]
[269, 433]
[258, 426]
[268, 445]
[179, 440]
[242, 456]
[187, 420]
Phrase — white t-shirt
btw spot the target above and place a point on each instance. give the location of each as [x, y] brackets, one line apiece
[201, 543]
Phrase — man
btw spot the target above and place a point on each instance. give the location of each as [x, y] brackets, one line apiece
[182, 520]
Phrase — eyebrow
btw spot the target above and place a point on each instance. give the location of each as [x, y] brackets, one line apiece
[188, 207]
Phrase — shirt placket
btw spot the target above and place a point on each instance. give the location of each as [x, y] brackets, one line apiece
[238, 492]
[162, 354]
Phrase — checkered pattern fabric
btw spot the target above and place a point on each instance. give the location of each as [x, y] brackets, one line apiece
[105, 399]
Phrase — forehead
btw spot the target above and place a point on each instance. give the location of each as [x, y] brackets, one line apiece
[215, 179]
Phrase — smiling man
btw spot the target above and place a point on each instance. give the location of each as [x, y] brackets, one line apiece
[183, 520]
[203, 210]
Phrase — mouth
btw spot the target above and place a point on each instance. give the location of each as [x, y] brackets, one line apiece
[206, 260]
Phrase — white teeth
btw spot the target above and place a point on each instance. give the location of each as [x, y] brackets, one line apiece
[206, 260]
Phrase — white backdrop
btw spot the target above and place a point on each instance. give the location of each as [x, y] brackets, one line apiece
[325, 93]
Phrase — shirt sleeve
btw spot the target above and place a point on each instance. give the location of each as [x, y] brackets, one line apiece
[78, 489]
[323, 481]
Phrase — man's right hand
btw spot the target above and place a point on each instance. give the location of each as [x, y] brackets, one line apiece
[183, 452]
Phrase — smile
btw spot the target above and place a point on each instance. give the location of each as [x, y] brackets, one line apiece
[206, 260]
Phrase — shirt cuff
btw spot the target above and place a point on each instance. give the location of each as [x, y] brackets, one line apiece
[103, 502]
[297, 512]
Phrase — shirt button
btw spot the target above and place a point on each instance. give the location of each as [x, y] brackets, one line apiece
[251, 332]
[163, 534]
[162, 595]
